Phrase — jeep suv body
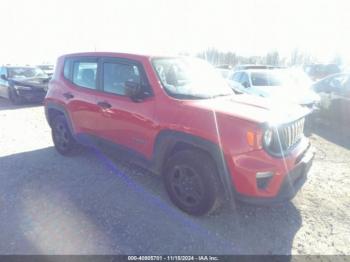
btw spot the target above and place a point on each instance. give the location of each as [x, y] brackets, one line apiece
[177, 117]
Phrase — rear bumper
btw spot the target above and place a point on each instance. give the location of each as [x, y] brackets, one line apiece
[291, 184]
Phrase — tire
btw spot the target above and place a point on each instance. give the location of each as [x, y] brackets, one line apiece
[62, 138]
[192, 182]
[14, 98]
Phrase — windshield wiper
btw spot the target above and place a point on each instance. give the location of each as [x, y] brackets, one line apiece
[219, 95]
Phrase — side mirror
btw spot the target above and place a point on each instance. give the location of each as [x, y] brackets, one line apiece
[3, 77]
[133, 90]
[245, 84]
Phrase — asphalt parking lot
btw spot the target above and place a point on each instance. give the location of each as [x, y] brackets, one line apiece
[94, 203]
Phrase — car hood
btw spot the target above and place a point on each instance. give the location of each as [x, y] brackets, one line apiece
[299, 95]
[255, 109]
[32, 82]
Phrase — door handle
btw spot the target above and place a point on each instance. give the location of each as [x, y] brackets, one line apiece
[68, 95]
[104, 104]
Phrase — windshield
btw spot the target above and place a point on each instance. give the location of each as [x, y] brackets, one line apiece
[190, 78]
[26, 72]
[46, 67]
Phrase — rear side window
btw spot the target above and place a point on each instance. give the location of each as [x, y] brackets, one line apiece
[116, 74]
[84, 74]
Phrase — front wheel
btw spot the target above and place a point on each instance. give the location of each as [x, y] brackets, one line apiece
[191, 180]
[14, 98]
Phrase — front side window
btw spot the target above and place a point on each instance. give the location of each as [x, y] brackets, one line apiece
[84, 74]
[116, 74]
[190, 78]
[236, 76]
[244, 80]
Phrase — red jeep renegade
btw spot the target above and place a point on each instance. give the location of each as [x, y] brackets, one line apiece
[178, 118]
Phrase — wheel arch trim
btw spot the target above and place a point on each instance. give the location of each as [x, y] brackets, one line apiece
[166, 141]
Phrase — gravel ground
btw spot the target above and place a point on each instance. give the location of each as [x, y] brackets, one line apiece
[93, 204]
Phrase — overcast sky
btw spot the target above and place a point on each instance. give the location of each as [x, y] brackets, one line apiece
[33, 31]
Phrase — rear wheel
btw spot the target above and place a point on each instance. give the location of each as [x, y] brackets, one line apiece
[14, 98]
[191, 180]
[62, 137]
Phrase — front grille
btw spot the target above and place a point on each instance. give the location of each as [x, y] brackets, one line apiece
[287, 135]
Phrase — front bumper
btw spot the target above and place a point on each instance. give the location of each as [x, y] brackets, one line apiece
[287, 174]
[32, 95]
[290, 185]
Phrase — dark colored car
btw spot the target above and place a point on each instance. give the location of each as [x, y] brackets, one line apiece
[48, 69]
[319, 71]
[178, 118]
[335, 96]
[23, 83]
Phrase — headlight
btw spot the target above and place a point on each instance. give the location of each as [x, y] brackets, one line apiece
[23, 87]
[268, 137]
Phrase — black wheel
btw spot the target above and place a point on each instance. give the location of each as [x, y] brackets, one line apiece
[191, 181]
[62, 137]
[14, 98]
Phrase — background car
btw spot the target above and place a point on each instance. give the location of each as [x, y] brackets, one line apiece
[23, 83]
[319, 71]
[335, 96]
[48, 69]
[278, 84]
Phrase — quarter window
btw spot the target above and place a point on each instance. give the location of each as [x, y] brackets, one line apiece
[116, 74]
[84, 74]
[67, 69]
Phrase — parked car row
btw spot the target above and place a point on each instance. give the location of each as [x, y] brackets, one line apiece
[279, 85]
[328, 96]
[335, 97]
[177, 117]
[319, 71]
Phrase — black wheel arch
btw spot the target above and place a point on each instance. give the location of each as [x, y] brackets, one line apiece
[53, 109]
[169, 142]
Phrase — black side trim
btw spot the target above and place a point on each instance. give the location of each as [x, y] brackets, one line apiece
[60, 108]
[164, 144]
[168, 139]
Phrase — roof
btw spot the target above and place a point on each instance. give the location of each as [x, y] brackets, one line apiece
[258, 70]
[123, 55]
[19, 66]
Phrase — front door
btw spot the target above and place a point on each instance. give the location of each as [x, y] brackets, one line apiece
[125, 122]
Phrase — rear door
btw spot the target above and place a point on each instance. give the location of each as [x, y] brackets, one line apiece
[80, 92]
[125, 122]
